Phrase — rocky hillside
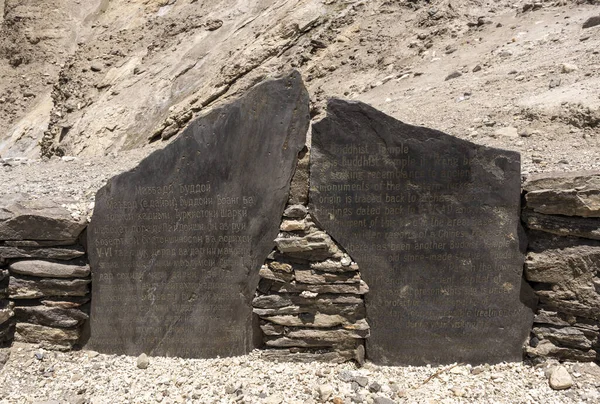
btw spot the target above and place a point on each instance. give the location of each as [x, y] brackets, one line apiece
[89, 78]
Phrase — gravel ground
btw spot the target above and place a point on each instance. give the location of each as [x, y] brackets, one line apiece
[86, 376]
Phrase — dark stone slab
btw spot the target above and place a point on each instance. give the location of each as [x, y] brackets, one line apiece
[433, 223]
[23, 219]
[175, 244]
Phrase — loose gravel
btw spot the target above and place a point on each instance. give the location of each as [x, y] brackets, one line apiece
[33, 375]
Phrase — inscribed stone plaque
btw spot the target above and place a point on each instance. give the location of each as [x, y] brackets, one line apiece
[176, 243]
[433, 222]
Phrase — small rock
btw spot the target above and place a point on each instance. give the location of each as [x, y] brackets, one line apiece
[325, 391]
[383, 400]
[338, 400]
[453, 75]
[508, 131]
[345, 376]
[591, 22]
[39, 355]
[362, 381]
[560, 379]
[506, 53]
[143, 361]
[96, 67]
[374, 387]
[568, 67]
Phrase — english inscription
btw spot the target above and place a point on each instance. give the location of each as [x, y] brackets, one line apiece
[433, 222]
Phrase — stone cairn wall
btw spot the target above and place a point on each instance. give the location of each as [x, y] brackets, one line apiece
[562, 214]
[45, 276]
[310, 295]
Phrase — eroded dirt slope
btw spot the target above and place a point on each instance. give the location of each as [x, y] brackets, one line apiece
[98, 77]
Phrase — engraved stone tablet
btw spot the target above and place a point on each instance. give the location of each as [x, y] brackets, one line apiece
[176, 243]
[433, 222]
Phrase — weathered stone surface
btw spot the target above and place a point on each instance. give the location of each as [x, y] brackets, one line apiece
[275, 301]
[293, 225]
[40, 243]
[560, 379]
[47, 269]
[64, 253]
[6, 331]
[299, 185]
[332, 266]
[30, 288]
[41, 219]
[278, 287]
[562, 225]
[175, 244]
[327, 334]
[345, 310]
[50, 316]
[54, 337]
[317, 277]
[285, 342]
[295, 212]
[280, 267]
[336, 356]
[65, 302]
[315, 246]
[280, 276]
[6, 311]
[546, 349]
[563, 264]
[318, 320]
[433, 223]
[570, 194]
[570, 337]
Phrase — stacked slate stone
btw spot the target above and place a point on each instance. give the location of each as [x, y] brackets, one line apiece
[310, 296]
[44, 270]
[562, 213]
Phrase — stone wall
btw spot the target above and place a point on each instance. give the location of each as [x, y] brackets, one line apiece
[310, 296]
[310, 300]
[45, 276]
[562, 215]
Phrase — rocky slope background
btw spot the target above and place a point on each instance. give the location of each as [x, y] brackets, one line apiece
[97, 77]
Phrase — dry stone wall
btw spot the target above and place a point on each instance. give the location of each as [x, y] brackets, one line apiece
[562, 213]
[44, 273]
[310, 297]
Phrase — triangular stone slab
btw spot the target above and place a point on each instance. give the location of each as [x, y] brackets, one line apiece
[174, 244]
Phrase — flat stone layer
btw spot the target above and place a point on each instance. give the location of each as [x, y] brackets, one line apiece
[175, 244]
[48, 269]
[23, 219]
[433, 223]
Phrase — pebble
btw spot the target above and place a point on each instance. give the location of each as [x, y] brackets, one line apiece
[508, 131]
[453, 75]
[143, 361]
[560, 379]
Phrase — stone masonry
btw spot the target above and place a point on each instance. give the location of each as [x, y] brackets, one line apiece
[562, 213]
[310, 298]
[44, 273]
